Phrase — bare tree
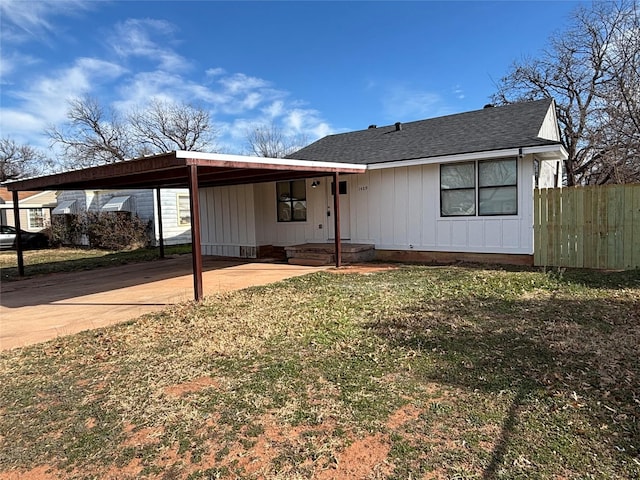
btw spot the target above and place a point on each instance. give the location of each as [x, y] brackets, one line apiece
[20, 161]
[591, 70]
[270, 141]
[94, 136]
[163, 126]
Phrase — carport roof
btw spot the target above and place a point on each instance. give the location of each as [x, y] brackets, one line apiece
[168, 170]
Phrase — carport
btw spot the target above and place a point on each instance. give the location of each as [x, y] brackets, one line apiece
[180, 169]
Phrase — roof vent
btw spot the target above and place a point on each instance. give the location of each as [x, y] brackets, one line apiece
[489, 105]
[398, 126]
[373, 126]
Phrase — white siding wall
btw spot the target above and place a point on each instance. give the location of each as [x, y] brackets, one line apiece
[77, 195]
[142, 201]
[549, 128]
[403, 213]
[546, 176]
[172, 231]
[271, 232]
[144, 204]
[228, 221]
[394, 209]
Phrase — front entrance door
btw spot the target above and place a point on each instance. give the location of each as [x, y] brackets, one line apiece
[345, 210]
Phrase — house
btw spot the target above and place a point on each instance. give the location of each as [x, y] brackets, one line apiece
[35, 209]
[174, 205]
[458, 187]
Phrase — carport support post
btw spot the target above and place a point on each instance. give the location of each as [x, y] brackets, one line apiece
[160, 234]
[16, 216]
[196, 251]
[336, 218]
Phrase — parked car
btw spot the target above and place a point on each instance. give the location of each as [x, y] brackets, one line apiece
[30, 240]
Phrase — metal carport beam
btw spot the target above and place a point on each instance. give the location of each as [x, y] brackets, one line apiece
[196, 248]
[16, 216]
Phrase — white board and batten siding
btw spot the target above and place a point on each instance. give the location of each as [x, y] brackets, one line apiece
[392, 208]
[236, 219]
[272, 232]
[399, 209]
[228, 222]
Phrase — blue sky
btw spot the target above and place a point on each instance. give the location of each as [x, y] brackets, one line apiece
[312, 68]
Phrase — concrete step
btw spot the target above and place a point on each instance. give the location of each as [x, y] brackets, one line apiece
[308, 262]
[324, 253]
[329, 257]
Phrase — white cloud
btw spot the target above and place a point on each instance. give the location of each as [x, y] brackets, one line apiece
[44, 101]
[402, 103]
[236, 100]
[10, 62]
[458, 92]
[136, 38]
[239, 82]
[215, 72]
[274, 109]
[23, 21]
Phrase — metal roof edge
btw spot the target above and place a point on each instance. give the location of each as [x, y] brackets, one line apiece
[266, 161]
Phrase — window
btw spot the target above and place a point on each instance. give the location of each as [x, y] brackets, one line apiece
[36, 218]
[497, 187]
[184, 210]
[494, 190]
[458, 189]
[292, 201]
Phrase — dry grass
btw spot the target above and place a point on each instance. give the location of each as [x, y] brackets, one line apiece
[40, 262]
[420, 372]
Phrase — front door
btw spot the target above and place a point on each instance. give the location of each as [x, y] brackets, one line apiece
[345, 218]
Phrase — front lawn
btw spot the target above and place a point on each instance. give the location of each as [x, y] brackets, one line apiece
[415, 372]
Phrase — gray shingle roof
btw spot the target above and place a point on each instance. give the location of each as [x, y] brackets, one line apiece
[510, 126]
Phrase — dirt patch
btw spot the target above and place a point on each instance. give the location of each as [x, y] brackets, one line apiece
[39, 473]
[365, 458]
[402, 416]
[190, 387]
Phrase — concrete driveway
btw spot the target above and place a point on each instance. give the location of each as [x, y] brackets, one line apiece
[41, 308]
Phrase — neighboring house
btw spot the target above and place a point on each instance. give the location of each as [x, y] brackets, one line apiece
[174, 204]
[447, 187]
[35, 209]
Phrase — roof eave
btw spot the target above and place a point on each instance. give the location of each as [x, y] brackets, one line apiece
[556, 150]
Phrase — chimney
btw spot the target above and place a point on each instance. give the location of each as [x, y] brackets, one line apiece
[372, 126]
[398, 126]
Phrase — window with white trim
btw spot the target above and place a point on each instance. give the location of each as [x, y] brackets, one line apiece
[484, 188]
[184, 210]
[36, 218]
[292, 201]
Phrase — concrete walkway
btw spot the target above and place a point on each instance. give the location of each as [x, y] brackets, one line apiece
[41, 308]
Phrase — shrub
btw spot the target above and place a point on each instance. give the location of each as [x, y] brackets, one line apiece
[117, 230]
[65, 230]
[108, 230]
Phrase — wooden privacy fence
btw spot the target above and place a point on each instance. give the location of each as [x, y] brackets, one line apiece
[588, 227]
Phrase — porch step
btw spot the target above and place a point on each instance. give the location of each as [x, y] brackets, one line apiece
[308, 262]
[316, 254]
[325, 257]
